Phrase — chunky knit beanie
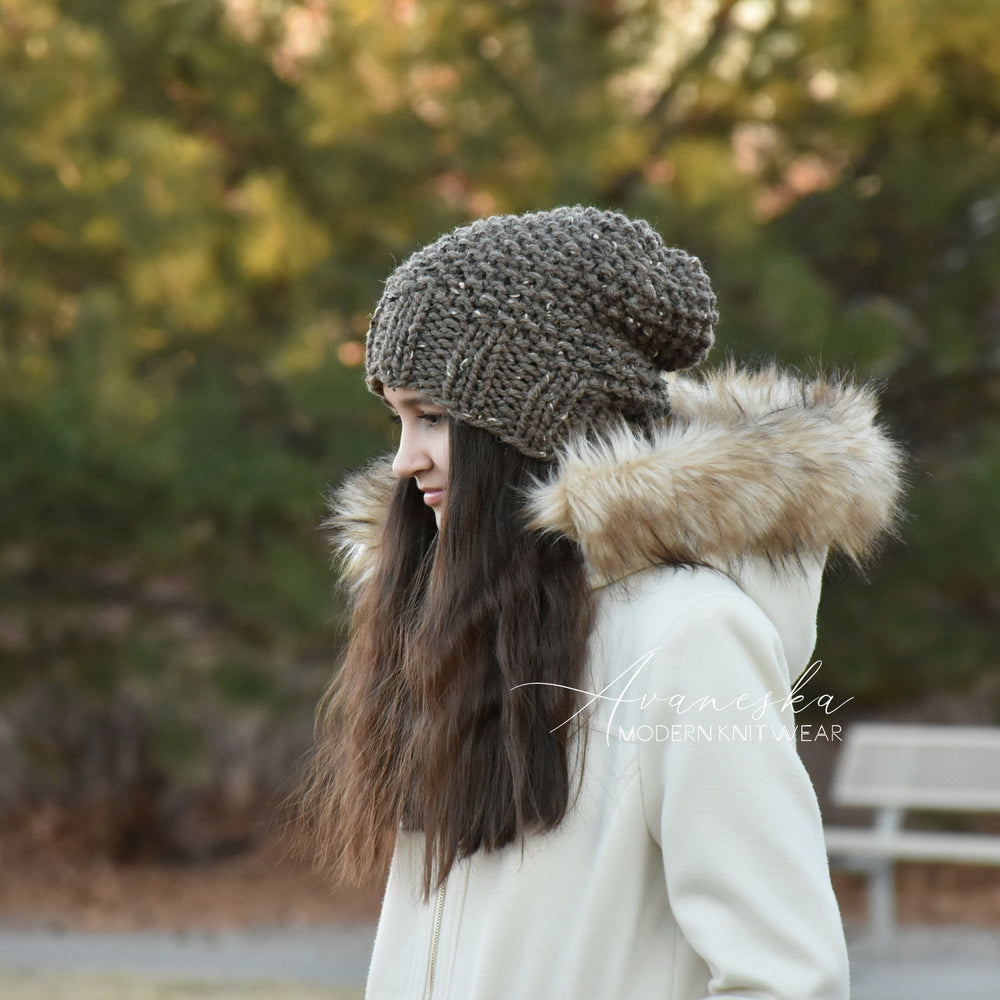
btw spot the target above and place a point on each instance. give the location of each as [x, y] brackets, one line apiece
[538, 326]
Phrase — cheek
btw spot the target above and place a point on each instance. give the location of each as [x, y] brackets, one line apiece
[442, 456]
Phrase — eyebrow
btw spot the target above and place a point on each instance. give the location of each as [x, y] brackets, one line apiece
[412, 402]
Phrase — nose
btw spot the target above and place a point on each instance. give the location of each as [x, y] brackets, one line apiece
[411, 458]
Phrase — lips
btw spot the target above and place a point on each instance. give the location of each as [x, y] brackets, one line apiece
[432, 497]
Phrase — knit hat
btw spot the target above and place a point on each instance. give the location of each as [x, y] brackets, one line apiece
[536, 326]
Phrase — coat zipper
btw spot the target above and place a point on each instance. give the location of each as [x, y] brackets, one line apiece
[435, 935]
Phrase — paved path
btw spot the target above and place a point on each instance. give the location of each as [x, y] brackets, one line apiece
[928, 964]
[325, 956]
[921, 964]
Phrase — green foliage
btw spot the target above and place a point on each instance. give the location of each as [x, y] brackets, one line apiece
[200, 198]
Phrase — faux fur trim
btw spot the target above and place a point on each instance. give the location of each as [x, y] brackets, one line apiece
[750, 464]
[357, 516]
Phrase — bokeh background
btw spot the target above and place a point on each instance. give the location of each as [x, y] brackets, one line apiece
[199, 200]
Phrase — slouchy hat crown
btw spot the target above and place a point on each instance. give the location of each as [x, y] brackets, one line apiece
[537, 326]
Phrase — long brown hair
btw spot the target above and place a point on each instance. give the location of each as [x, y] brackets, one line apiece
[449, 713]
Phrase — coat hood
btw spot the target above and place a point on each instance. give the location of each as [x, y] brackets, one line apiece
[751, 466]
[757, 474]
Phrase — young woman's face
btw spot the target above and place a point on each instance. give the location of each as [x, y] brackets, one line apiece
[423, 451]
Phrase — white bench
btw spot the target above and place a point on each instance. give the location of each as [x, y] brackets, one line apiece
[893, 768]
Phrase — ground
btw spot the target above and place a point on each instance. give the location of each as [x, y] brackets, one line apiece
[260, 887]
[42, 886]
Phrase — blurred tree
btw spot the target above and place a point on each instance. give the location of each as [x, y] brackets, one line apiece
[199, 199]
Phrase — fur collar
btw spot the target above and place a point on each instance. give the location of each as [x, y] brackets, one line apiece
[758, 464]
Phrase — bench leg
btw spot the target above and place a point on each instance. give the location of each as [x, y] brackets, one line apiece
[882, 901]
[882, 881]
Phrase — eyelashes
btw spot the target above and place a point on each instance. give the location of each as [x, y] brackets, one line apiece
[432, 419]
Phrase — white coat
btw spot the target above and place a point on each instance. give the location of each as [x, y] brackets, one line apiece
[691, 863]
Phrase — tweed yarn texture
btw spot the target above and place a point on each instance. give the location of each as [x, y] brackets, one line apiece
[537, 326]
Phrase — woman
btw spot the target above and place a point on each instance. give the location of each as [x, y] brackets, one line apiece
[582, 594]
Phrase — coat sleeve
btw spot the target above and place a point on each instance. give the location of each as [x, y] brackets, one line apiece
[735, 814]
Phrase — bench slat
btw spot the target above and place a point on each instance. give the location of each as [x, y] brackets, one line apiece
[914, 845]
[919, 767]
